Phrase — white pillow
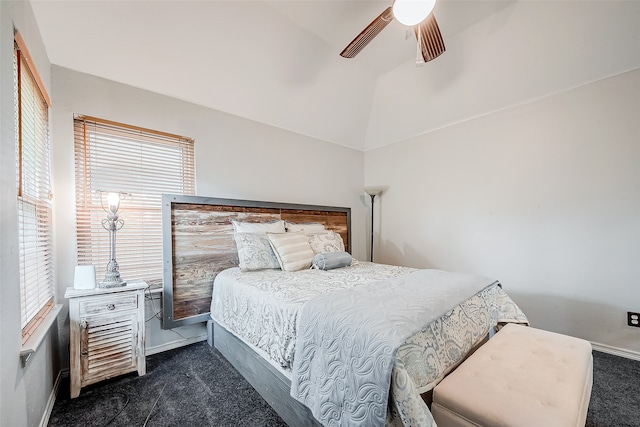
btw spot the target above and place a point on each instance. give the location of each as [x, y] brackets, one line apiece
[276, 226]
[306, 227]
[255, 252]
[326, 242]
[292, 250]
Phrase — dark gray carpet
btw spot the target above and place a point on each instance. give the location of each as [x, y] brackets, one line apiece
[196, 386]
[615, 397]
[189, 386]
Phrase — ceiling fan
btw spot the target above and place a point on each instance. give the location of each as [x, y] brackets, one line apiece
[415, 13]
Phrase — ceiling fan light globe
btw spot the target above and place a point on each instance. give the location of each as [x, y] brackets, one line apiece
[412, 12]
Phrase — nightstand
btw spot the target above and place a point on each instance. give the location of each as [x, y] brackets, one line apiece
[107, 333]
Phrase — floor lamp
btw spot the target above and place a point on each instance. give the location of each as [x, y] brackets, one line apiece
[373, 192]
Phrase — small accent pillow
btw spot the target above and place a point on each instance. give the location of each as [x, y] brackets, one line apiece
[306, 227]
[326, 242]
[292, 250]
[259, 227]
[331, 260]
[255, 252]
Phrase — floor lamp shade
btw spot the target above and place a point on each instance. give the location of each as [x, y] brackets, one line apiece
[373, 192]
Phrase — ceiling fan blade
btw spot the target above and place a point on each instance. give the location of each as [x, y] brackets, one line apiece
[430, 43]
[372, 30]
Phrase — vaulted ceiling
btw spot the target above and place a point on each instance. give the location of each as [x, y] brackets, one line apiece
[277, 62]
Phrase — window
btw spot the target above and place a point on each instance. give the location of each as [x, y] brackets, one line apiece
[113, 157]
[33, 178]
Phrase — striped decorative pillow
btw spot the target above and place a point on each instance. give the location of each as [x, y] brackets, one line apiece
[292, 250]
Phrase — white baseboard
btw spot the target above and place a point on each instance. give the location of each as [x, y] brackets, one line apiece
[629, 354]
[174, 344]
[44, 422]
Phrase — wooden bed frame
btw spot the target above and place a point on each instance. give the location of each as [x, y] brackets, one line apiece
[197, 244]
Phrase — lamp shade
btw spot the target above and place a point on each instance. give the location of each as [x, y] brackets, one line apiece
[375, 191]
[113, 199]
[412, 12]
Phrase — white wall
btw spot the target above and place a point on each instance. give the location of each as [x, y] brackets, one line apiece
[235, 158]
[544, 197]
[24, 392]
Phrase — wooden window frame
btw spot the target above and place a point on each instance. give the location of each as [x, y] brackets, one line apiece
[44, 247]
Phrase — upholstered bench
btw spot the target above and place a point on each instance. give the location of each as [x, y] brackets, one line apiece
[522, 377]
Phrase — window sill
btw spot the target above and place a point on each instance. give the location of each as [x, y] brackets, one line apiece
[34, 341]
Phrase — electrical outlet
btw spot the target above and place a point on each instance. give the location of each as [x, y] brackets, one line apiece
[633, 319]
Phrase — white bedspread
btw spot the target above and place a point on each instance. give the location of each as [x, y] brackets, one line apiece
[347, 341]
[263, 307]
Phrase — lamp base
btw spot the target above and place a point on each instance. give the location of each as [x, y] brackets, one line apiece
[104, 285]
[112, 280]
[112, 277]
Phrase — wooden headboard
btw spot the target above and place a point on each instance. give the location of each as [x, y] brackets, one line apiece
[198, 243]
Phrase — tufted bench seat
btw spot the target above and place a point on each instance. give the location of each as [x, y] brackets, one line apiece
[522, 377]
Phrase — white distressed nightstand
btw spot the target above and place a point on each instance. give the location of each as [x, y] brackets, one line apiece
[107, 333]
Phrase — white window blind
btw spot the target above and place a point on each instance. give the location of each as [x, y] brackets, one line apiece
[113, 157]
[33, 170]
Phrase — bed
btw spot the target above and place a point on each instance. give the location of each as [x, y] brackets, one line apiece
[267, 323]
